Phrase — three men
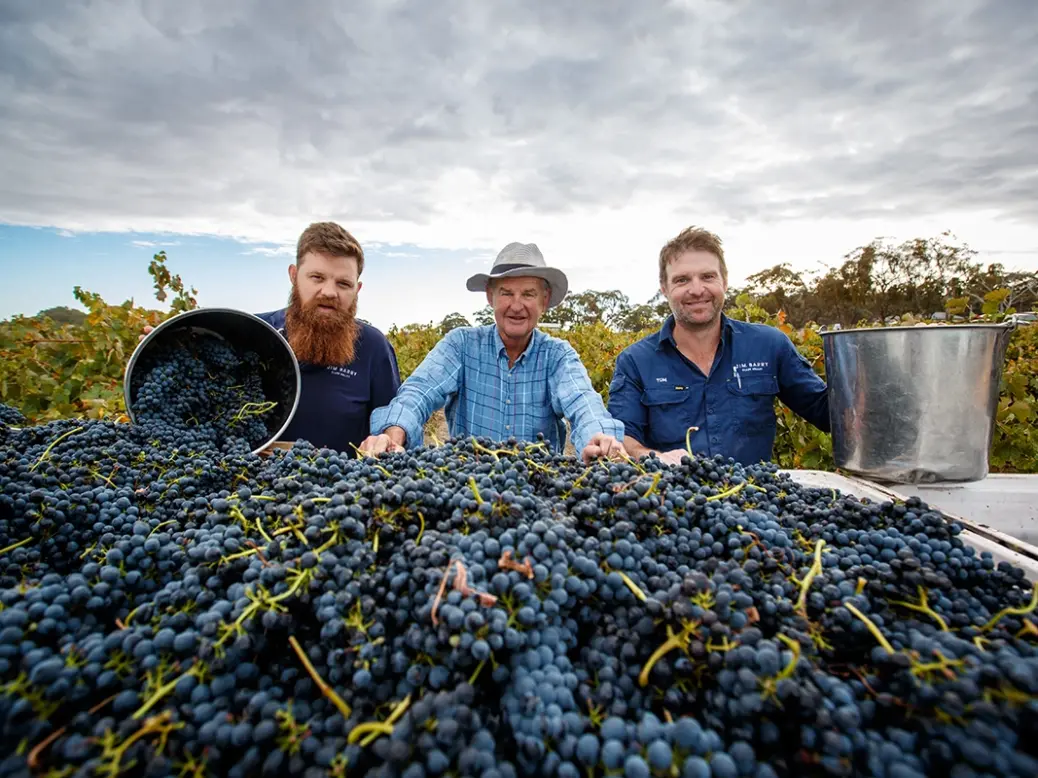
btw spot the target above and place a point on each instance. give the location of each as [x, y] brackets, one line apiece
[708, 374]
[507, 379]
[348, 368]
[702, 374]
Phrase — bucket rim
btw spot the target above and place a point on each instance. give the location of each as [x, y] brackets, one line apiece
[921, 328]
[179, 317]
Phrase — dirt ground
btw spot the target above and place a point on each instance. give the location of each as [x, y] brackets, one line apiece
[436, 429]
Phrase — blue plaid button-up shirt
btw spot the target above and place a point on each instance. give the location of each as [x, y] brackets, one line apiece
[467, 374]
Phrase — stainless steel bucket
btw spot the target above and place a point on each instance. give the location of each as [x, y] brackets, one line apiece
[915, 404]
[280, 375]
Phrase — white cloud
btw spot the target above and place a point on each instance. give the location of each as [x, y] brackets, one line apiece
[797, 131]
[272, 251]
[154, 244]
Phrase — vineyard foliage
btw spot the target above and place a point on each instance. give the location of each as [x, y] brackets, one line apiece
[55, 369]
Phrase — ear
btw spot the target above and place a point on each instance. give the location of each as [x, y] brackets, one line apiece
[292, 270]
[490, 295]
[360, 285]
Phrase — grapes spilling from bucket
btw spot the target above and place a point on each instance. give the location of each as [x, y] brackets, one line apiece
[194, 386]
[488, 609]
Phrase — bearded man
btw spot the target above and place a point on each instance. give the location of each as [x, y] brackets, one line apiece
[704, 372]
[348, 368]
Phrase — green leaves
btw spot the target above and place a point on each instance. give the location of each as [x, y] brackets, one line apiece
[72, 365]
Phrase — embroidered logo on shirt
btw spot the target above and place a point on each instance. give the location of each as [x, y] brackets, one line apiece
[343, 372]
[661, 380]
[751, 367]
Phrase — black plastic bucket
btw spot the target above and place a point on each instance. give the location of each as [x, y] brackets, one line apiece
[244, 332]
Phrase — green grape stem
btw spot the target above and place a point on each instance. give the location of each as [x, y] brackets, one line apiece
[871, 627]
[816, 568]
[1022, 611]
[326, 690]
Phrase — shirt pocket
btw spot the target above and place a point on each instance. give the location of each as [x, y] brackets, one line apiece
[668, 412]
[753, 401]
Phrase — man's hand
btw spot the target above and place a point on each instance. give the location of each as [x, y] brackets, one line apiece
[672, 457]
[389, 441]
[602, 445]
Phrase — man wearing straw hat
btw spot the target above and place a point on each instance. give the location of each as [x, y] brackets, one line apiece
[507, 379]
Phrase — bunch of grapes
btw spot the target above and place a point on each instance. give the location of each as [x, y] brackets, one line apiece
[11, 416]
[193, 387]
[487, 608]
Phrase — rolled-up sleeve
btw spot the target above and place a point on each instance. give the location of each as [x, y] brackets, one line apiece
[425, 390]
[801, 388]
[576, 399]
[625, 399]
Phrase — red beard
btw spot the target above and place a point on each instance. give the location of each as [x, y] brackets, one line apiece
[321, 337]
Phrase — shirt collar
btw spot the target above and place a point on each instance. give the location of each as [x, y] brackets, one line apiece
[666, 333]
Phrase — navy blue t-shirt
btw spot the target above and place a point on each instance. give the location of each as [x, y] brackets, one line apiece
[658, 393]
[335, 403]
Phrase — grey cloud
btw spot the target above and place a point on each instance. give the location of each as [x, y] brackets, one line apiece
[149, 111]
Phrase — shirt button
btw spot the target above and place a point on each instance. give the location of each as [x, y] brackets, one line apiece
[508, 402]
[508, 426]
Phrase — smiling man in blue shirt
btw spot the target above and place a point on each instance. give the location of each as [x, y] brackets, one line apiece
[507, 379]
[705, 371]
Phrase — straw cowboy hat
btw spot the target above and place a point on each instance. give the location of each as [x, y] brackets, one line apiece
[523, 259]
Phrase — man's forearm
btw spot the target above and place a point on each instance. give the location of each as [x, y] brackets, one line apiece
[635, 449]
[396, 434]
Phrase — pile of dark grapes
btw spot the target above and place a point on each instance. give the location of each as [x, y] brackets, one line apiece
[191, 387]
[488, 609]
[12, 416]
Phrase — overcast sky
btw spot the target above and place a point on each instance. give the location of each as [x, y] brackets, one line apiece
[798, 130]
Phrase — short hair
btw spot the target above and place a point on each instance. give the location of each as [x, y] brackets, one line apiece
[691, 239]
[331, 239]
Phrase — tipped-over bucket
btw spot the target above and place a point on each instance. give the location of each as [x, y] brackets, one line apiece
[243, 331]
[915, 404]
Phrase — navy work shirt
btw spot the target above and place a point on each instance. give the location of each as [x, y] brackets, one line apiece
[335, 403]
[658, 393]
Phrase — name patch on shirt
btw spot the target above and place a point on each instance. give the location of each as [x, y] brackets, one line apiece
[343, 372]
[751, 367]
